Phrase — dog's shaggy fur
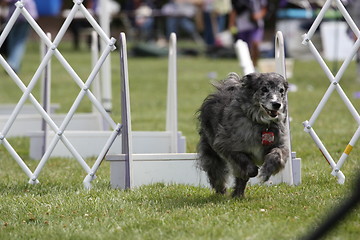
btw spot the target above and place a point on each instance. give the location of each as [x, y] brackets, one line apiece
[242, 128]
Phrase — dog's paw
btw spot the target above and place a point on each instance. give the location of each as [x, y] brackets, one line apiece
[221, 191]
[238, 194]
[264, 177]
[274, 162]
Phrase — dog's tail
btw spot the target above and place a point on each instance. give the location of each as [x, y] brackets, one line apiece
[229, 83]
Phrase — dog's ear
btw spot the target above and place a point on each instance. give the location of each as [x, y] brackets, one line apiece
[286, 85]
[250, 81]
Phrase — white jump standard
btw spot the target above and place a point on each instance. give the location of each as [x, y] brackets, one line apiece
[129, 169]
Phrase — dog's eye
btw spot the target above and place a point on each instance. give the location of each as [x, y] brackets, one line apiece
[264, 89]
[282, 90]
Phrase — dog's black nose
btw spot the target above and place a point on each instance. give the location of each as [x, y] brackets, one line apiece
[276, 105]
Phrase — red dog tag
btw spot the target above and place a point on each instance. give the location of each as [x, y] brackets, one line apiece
[267, 138]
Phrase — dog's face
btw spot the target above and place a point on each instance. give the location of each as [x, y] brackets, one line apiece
[268, 92]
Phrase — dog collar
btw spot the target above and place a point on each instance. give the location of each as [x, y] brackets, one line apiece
[267, 138]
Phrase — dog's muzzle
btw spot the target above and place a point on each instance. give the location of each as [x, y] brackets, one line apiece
[273, 109]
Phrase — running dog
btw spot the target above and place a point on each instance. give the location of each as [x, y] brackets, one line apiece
[242, 128]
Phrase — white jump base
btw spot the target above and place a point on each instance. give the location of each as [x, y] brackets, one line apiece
[26, 123]
[6, 109]
[143, 142]
[179, 168]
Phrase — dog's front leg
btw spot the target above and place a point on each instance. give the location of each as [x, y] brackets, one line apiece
[273, 163]
[243, 169]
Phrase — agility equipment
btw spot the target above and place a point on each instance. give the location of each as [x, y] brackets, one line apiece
[292, 171]
[243, 55]
[334, 85]
[89, 141]
[130, 170]
[60, 130]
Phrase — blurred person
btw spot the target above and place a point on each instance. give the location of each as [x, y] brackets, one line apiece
[80, 22]
[222, 8]
[141, 18]
[179, 16]
[19, 34]
[247, 22]
[353, 8]
[215, 14]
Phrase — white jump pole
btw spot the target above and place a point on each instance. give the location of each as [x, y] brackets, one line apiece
[346, 152]
[127, 148]
[323, 150]
[46, 94]
[243, 54]
[96, 89]
[104, 19]
[171, 110]
[281, 69]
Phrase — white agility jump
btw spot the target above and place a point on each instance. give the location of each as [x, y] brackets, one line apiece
[334, 85]
[88, 141]
[131, 170]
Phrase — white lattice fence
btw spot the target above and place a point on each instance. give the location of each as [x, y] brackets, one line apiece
[84, 90]
[334, 85]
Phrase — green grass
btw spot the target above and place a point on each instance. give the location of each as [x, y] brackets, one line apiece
[59, 207]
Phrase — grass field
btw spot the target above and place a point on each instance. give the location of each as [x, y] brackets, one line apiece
[59, 207]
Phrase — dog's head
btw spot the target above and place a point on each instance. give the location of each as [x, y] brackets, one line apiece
[267, 91]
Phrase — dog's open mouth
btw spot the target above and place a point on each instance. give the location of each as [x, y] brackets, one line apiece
[271, 113]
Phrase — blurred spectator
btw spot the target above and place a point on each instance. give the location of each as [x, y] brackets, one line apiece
[247, 22]
[140, 15]
[210, 23]
[354, 10]
[179, 16]
[222, 8]
[18, 36]
[80, 22]
[215, 14]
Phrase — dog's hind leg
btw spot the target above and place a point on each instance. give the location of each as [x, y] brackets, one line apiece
[215, 167]
[243, 170]
[217, 178]
[240, 185]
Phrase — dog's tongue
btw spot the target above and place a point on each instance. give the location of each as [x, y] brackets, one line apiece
[273, 113]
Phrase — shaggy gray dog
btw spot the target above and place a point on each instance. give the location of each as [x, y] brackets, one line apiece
[242, 128]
